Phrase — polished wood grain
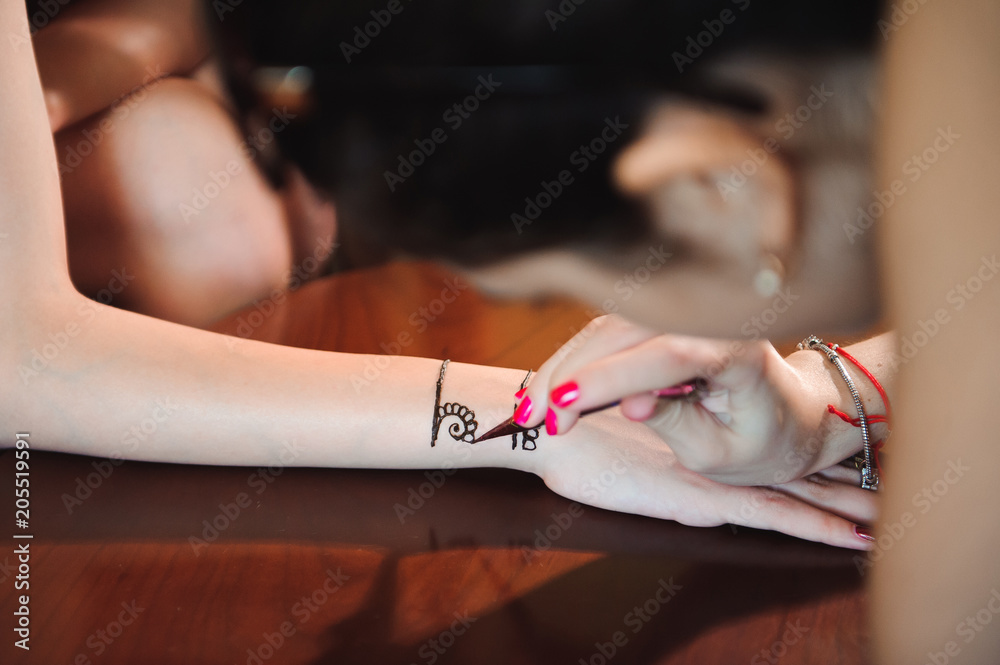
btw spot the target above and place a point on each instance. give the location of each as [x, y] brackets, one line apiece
[156, 566]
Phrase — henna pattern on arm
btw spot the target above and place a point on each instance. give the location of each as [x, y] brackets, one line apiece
[462, 423]
[528, 436]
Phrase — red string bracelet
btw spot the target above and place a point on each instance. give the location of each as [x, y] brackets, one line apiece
[871, 419]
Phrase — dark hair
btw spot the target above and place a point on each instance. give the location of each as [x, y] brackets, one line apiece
[504, 171]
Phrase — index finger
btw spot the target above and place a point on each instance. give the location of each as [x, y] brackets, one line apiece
[602, 336]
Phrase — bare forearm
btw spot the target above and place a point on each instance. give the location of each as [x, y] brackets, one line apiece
[91, 379]
[131, 386]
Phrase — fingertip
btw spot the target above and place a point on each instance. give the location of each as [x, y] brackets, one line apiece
[857, 537]
[551, 423]
[639, 408]
[528, 414]
[864, 533]
[522, 413]
[564, 395]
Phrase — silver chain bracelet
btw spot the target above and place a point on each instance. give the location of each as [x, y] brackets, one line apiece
[869, 473]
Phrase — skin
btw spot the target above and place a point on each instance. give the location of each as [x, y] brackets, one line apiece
[284, 405]
[944, 48]
[774, 422]
[144, 137]
[96, 52]
[936, 578]
[937, 572]
[764, 422]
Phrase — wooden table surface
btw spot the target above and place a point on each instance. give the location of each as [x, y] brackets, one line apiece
[160, 564]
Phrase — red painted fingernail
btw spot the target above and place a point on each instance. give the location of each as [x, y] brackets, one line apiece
[551, 424]
[565, 394]
[523, 412]
[864, 533]
[682, 390]
[520, 393]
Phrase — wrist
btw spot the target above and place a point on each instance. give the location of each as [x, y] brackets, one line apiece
[488, 393]
[830, 436]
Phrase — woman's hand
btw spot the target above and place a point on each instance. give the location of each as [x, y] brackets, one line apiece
[763, 422]
[609, 462]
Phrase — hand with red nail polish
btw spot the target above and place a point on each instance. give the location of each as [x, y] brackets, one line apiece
[648, 479]
[748, 426]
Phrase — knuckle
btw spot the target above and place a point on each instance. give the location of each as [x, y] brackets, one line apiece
[704, 459]
[819, 488]
[673, 352]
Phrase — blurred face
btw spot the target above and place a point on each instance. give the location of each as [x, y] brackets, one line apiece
[765, 209]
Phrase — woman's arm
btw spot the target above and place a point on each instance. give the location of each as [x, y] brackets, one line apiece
[90, 379]
[197, 398]
[937, 573]
[81, 375]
